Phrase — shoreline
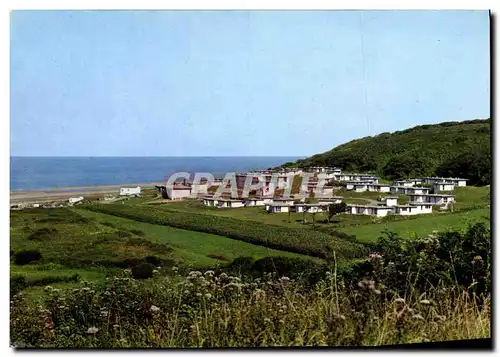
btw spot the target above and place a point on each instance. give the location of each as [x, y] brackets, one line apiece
[64, 193]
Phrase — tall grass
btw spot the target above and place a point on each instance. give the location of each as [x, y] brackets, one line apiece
[217, 310]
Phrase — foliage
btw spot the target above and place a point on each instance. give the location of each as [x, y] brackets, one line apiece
[452, 258]
[336, 208]
[452, 148]
[207, 309]
[142, 271]
[26, 256]
[474, 165]
[42, 234]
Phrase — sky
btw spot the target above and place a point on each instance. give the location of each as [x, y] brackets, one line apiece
[238, 83]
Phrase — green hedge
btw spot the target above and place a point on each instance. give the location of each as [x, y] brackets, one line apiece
[297, 240]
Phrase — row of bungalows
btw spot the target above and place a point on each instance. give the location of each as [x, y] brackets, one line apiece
[356, 177]
[405, 190]
[460, 182]
[384, 210]
[407, 183]
[433, 199]
[297, 207]
[322, 170]
[290, 205]
[223, 202]
[363, 186]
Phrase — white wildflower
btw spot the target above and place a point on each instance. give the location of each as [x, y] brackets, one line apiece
[92, 330]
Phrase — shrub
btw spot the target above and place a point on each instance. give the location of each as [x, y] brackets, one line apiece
[142, 271]
[17, 283]
[24, 257]
[124, 234]
[137, 232]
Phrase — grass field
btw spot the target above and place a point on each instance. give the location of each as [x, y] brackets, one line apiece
[95, 245]
[194, 249]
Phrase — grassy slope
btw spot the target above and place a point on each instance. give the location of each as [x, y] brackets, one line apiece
[472, 204]
[434, 142]
[194, 248]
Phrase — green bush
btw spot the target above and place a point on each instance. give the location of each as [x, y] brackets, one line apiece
[24, 257]
[42, 234]
[142, 271]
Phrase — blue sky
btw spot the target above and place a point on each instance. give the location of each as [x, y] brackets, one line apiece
[208, 83]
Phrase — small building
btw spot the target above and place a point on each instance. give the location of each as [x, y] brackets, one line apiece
[443, 186]
[178, 192]
[73, 200]
[279, 207]
[279, 200]
[222, 202]
[375, 187]
[433, 199]
[130, 191]
[422, 207]
[404, 190]
[311, 207]
[331, 200]
[257, 201]
[405, 210]
[455, 180]
[390, 201]
[408, 182]
[372, 210]
[358, 186]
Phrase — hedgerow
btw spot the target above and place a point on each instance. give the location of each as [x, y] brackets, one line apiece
[296, 240]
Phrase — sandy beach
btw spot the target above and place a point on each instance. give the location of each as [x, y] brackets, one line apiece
[64, 193]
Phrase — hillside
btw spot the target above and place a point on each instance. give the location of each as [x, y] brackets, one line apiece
[461, 149]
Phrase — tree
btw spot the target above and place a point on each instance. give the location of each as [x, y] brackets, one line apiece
[336, 208]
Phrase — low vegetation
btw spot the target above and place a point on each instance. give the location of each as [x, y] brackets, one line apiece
[405, 292]
[298, 240]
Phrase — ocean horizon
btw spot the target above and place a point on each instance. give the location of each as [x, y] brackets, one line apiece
[43, 172]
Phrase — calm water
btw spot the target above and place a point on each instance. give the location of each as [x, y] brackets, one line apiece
[30, 173]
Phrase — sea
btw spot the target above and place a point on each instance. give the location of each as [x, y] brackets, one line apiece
[34, 173]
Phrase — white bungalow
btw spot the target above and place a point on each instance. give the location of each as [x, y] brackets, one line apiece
[443, 186]
[390, 201]
[279, 200]
[210, 201]
[279, 207]
[73, 200]
[356, 177]
[379, 211]
[229, 203]
[331, 200]
[256, 201]
[457, 181]
[130, 191]
[311, 207]
[403, 190]
[407, 183]
[358, 186]
[405, 210]
[379, 188]
[433, 199]
[422, 207]
[178, 192]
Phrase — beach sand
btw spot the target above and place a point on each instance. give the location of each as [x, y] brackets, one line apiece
[64, 193]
